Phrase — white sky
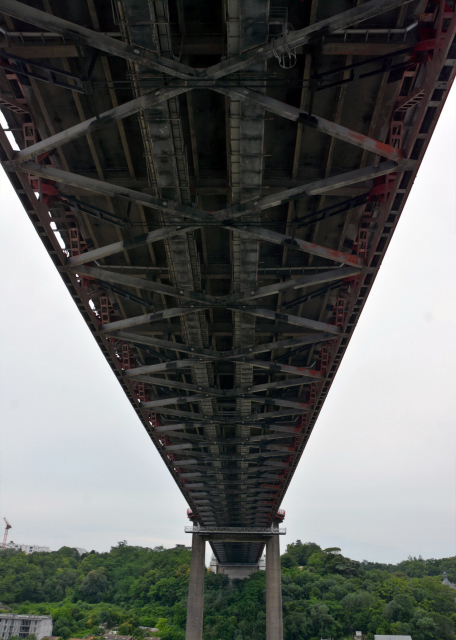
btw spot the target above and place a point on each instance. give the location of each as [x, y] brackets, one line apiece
[378, 477]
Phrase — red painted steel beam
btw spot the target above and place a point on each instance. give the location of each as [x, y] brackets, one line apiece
[301, 245]
[315, 122]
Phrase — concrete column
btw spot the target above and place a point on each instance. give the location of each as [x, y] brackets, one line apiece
[194, 630]
[274, 617]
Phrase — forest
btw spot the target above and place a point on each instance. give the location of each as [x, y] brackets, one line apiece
[325, 595]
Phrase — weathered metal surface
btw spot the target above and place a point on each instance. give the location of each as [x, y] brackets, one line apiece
[211, 185]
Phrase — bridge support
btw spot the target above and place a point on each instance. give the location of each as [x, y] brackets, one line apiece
[265, 535]
[194, 630]
[274, 616]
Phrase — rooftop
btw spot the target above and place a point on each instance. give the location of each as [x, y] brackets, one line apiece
[19, 615]
[389, 637]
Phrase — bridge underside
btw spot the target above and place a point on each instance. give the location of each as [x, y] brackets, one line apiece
[217, 183]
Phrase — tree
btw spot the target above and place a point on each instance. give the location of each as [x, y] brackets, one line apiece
[94, 586]
[288, 560]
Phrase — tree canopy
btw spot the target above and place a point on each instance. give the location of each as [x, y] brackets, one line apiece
[325, 594]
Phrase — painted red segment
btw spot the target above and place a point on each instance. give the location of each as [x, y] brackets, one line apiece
[303, 371]
[331, 254]
[383, 148]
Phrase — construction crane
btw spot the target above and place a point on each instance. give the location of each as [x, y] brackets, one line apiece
[7, 528]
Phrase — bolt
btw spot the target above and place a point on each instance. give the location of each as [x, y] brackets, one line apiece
[137, 51]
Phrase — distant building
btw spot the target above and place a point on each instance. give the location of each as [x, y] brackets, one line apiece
[23, 626]
[237, 571]
[35, 548]
[27, 548]
[377, 637]
[446, 582]
[111, 636]
[359, 635]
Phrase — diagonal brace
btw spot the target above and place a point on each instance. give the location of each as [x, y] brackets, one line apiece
[315, 122]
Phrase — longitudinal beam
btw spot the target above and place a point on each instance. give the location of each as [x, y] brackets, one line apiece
[320, 124]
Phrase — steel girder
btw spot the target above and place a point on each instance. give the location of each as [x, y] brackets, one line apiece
[260, 446]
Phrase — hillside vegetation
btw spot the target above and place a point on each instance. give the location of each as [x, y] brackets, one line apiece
[324, 594]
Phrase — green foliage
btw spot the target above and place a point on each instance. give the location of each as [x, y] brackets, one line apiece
[324, 594]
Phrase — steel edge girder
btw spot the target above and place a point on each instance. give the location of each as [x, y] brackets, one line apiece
[78, 292]
[432, 72]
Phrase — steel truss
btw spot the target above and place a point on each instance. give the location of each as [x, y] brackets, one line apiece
[231, 458]
[264, 531]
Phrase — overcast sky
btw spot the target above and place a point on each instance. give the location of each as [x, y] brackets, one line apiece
[378, 477]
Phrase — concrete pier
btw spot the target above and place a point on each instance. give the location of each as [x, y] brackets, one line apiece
[194, 629]
[264, 535]
[274, 616]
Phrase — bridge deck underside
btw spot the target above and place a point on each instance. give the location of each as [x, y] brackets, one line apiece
[225, 325]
